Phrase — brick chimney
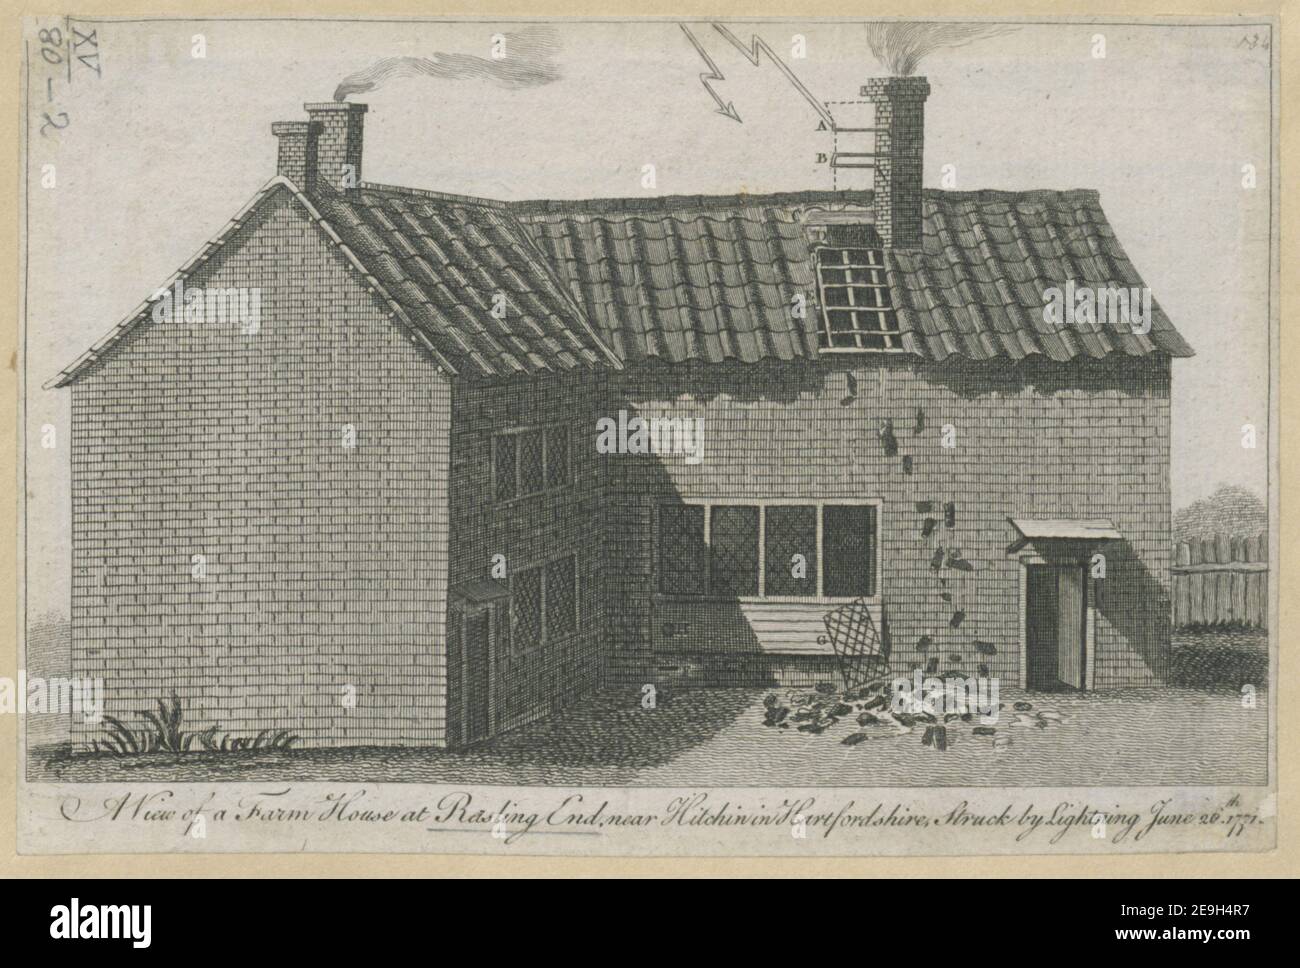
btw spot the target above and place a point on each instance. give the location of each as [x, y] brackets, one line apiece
[900, 142]
[296, 159]
[322, 154]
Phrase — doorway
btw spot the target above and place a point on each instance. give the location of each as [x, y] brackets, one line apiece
[1056, 623]
[478, 638]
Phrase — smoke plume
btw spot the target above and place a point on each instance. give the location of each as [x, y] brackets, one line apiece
[901, 45]
[528, 61]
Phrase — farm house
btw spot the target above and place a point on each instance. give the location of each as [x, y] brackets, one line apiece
[381, 517]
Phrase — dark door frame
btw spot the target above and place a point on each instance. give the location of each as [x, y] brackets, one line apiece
[469, 613]
[1087, 630]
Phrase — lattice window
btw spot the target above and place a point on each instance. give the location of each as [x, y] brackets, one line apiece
[848, 550]
[733, 550]
[789, 531]
[722, 551]
[532, 475]
[504, 451]
[862, 654]
[557, 456]
[526, 606]
[561, 597]
[857, 308]
[531, 461]
[681, 550]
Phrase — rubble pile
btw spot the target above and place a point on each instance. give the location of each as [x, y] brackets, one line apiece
[866, 715]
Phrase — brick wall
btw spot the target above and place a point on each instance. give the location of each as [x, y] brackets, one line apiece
[325, 565]
[528, 530]
[1034, 439]
[329, 566]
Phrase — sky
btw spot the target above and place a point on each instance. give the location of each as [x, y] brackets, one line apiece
[156, 152]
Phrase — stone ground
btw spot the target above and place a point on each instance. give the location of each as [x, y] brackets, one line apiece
[1195, 731]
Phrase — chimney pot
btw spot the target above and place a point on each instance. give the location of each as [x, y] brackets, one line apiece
[899, 154]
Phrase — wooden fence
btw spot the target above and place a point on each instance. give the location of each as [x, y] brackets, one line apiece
[1221, 580]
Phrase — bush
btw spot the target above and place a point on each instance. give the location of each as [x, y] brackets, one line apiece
[1219, 658]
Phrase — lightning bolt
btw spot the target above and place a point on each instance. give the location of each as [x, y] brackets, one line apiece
[757, 45]
[713, 74]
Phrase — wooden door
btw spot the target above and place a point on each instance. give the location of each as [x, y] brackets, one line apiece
[1055, 626]
[1070, 625]
[478, 630]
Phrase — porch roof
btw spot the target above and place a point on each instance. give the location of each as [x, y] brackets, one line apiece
[479, 591]
[1065, 529]
[1041, 530]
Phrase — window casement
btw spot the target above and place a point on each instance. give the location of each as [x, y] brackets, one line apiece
[857, 310]
[543, 603]
[769, 550]
[531, 460]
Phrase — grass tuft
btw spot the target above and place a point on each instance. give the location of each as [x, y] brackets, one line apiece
[163, 732]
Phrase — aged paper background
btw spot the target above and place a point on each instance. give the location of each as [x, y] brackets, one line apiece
[1281, 860]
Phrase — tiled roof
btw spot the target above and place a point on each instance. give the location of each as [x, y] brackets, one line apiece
[437, 262]
[705, 278]
[448, 261]
[681, 279]
[600, 283]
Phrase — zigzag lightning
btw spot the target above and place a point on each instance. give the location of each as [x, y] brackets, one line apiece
[751, 53]
[726, 109]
